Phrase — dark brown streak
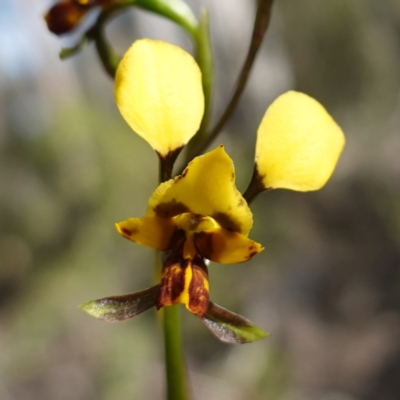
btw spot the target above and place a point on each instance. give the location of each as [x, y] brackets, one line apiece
[226, 222]
[204, 245]
[255, 186]
[170, 209]
[198, 294]
[126, 231]
[167, 163]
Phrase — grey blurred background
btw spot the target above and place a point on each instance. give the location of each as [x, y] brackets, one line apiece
[327, 286]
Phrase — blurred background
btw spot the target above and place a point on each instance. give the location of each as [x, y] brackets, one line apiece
[327, 287]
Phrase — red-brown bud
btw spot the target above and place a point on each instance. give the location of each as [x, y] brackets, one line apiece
[65, 16]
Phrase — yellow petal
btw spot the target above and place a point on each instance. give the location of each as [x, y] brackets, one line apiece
[226, 247]
[298, 144]
[152, 232]
[159, 93]
[206, 187]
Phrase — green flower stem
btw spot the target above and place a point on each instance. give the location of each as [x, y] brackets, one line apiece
[108, 57]
[177, 383]
[260, 27]
[175, 10]
[204, 59]
[177, 386]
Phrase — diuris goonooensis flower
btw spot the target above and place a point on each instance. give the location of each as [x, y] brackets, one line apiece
[200, 215]
[195, 217]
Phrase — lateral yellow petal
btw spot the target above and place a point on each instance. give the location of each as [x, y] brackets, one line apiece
[152, 232]
[298, 144]
[226, 247]
[207, 188]
[159, 93]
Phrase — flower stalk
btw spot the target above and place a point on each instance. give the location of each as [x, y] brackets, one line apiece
[255, 187]
[204, 58]
[177, 383]
[108, 56]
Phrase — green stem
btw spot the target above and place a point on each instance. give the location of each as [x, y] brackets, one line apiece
[108, 57]
[204, 59]
[177, 386]
[177, 383]
[260, 27]
[177, 11]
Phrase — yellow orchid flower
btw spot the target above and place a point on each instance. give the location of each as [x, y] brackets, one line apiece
[200, 215]
[195, 217]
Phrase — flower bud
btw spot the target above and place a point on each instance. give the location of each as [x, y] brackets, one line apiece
[65, 16]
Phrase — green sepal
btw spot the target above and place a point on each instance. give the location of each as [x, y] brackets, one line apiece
[120, 308]
[230, 327]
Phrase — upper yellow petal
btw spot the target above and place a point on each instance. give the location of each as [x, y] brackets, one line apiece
[206, 187]
[298, 144]
[148, 231]
[159, 93]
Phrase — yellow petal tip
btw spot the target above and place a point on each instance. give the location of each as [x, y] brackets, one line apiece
[148, 231]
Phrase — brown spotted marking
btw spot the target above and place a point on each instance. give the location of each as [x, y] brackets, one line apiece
[126, 231]
[204, 244]
[182, 175]
[252, 254]
[172, 284]
[226, 222]
[170, 209]
[199, 297]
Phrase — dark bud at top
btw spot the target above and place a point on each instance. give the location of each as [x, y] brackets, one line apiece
[65, 16]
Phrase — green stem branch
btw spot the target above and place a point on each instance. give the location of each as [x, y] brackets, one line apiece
[108, 57]
[204, 59]
[260, 27]
[177, 11]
